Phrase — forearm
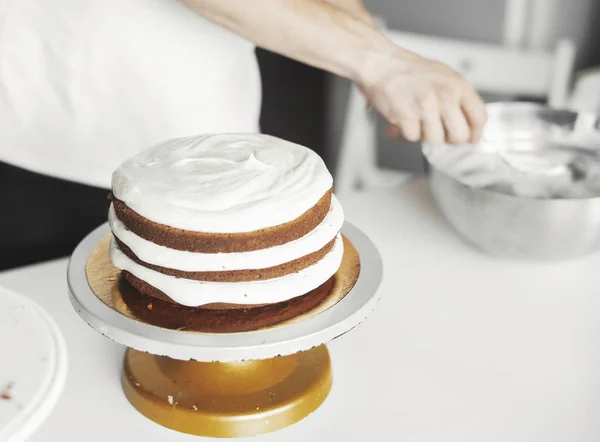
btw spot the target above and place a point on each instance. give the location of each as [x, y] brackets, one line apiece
[356, 8]
[310, 31]
[423, 98]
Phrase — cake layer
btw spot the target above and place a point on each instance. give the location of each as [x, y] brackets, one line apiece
[196, 293]
[162, 256]
[236, 275]
[233, 319]
[203, 242]
[146, 289]
[228, 183]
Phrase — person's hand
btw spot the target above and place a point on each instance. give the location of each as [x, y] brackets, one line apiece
[423, 100]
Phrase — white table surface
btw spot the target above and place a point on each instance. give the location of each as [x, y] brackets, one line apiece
[463, 347]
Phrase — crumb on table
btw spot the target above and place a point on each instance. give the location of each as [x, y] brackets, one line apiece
[6, 392]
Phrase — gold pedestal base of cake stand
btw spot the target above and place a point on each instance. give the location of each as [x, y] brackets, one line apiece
[227, 399]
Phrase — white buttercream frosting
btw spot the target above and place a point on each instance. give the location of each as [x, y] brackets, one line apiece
[228, 183]
[196, 293]
[159, 255]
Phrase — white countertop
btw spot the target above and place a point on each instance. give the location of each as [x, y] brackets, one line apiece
[463, 347]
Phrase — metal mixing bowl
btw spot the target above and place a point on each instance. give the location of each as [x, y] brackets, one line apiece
[531, 187]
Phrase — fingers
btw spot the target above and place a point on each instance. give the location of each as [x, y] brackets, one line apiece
[475, 112]
[406, 123]
[455, 123]
[452, 127]
[446, 116]
[421, 121]
[446, 110]
[410, 129]
[432, 130]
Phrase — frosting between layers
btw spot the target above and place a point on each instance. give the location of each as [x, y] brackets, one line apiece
[230, 183]
[193, 293]
[163, 256]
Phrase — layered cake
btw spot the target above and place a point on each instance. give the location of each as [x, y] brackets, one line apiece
[226, 222]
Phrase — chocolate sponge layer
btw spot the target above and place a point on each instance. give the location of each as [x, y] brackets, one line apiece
[143, 300]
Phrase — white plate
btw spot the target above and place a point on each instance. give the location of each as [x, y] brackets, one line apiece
[33, 366]
[262, 344]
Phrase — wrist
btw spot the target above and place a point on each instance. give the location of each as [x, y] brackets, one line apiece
[376, 61]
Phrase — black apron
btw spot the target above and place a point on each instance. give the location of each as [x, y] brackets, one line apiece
[43, 218]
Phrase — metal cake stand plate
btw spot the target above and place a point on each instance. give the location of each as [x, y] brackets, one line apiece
[227, 384]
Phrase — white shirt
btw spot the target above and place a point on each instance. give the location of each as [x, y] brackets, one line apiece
[84, 84]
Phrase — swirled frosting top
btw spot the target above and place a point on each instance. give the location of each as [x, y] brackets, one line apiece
[225, 183]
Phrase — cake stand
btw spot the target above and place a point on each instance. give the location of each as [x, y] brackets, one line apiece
[233, 384]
